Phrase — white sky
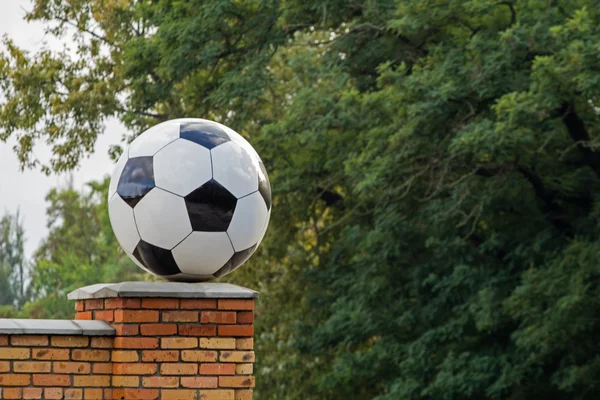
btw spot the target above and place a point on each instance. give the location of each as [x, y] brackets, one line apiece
[27, 190]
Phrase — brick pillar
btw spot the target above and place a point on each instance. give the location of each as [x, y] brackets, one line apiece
[174, 340]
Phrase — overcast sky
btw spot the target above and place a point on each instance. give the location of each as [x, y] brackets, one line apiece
[27, 190]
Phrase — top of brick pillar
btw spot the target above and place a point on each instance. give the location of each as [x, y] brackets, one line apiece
[207, 290]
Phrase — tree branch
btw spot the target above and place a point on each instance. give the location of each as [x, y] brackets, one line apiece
[552, 211]
[513, 13]
[578, 132]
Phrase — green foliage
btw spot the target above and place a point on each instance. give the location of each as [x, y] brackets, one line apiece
[434, 164]
[13, 265]
[80, 250]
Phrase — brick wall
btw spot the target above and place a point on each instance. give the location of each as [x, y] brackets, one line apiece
[164, 348]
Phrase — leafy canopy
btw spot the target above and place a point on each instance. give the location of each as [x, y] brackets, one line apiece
[435, 167]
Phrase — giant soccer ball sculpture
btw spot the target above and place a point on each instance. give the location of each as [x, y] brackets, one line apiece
[189, 200]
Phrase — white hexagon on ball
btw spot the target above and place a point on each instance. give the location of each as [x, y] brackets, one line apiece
[189, 200]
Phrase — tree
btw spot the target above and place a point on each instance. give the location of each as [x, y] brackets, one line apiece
[80, 250]
[13, 264]
[434, 164]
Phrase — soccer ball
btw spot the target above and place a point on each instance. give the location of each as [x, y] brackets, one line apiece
[189, 200]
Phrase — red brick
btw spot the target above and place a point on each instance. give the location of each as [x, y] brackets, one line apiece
[178, 343]
[50, 354]
[217, 369]
[126, 381]
[91, 355]
[161, 303]
[236, 381]
[94, 304]
[180, 394]
[101, 368]
[104, 315]
[180, 316]
[3, 340]
[235, 304]
[84, 315]
[197, 330]
[4, 366]
[92, 394]
[102, 342]
[64, 367]
[29, 340]
[13, 393]
[160, 382]
[198, 304]
[137, 394]
[244, 369]
[179, 369]
[91, 381]
[73, 394]
[53, 393]
[211, 394]
[237, 356]
[198, 356]
[127, 330]
[135, 343]
[158, 329]
[125, 356]
[80, 305]
[217, 343]
[134, 369]
[244, 344]
[14, 354]
[136, 316]
[236, 330]
[14, 380]
[51, 380]
[243, 395]
[121, 303]
[199, 382]
[31, 366]
[32, 393]
[218, 317]
[245, 317]
[160, 356]
[70, 341]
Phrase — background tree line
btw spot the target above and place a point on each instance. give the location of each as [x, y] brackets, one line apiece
[435, 169]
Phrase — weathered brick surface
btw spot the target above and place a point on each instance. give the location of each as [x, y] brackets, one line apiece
[244, 344]
[218, 369]
[218, 343]
[28, 340]
[163, 349]
[237, 356]
[198, 304]
[70, 341]
[31, 366]
[180, 316]
[235, 304]
[136, 316]
[197, 330]
[160, 355]
[243, 395]
[158, 329]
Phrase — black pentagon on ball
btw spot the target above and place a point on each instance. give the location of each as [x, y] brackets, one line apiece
[264, 186]
[136, 180]
[158, 260]
[235, 261]
[210, 207]
[206, 134]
